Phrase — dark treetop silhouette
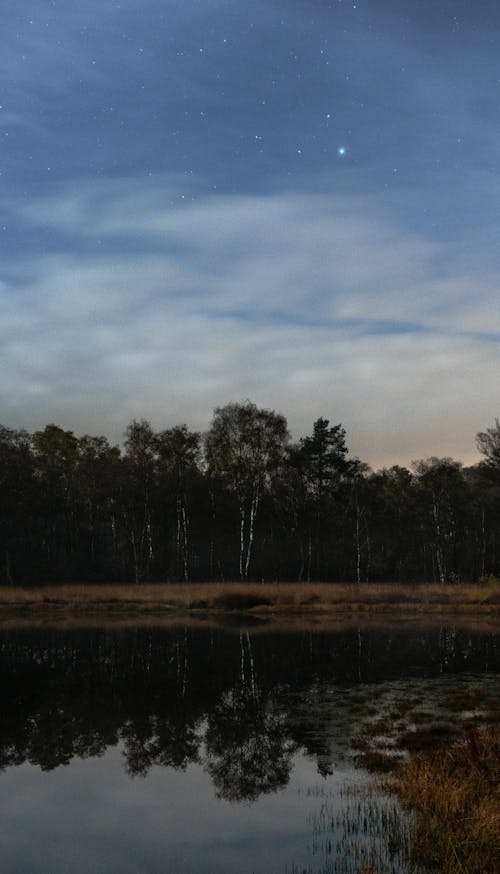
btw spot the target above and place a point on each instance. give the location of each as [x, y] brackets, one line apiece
[240, 502]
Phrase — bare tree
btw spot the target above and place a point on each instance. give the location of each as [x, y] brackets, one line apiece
[488, 443]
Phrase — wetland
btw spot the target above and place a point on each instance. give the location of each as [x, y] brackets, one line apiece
[231, 745]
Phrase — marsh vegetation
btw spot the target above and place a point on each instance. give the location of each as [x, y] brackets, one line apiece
[456, 800]
[263, 599]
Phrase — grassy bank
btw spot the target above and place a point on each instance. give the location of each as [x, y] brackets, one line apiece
[455, 794]
[257, 598]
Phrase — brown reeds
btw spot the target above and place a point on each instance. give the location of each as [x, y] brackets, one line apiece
[262, 598]
[455, 794]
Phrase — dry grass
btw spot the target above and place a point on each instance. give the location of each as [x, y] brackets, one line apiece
[456, 797]
[261, 598]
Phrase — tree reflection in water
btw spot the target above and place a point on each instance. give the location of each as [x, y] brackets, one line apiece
[241, 705]
[159, 742]
[248, 751]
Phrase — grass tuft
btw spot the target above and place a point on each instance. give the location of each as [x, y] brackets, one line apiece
[456, 798]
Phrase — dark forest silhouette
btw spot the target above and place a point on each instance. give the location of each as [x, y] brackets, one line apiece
[241, 502]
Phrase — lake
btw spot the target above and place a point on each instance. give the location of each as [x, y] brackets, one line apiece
[157, 748]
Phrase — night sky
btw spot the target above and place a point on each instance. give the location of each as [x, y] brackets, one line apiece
[291, 201]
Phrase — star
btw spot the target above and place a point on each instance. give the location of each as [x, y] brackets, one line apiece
[341, 151]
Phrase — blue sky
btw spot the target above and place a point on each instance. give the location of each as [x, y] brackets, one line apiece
[293, 201]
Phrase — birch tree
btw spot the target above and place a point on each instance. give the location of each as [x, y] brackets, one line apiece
[139, 467]
[443, 495]
[178, 463]
[245, 446]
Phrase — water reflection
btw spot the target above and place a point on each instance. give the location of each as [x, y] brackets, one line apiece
[239, 704]
[211, 750]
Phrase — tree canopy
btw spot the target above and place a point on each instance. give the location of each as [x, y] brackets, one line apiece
[243, 501]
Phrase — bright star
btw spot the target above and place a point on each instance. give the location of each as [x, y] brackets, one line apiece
[341, 151]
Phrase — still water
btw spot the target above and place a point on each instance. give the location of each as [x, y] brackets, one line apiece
[153, 749]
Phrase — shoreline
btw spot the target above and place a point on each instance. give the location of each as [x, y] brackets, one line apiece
[265, 601]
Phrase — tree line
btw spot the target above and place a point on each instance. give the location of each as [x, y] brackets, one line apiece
[240, 502]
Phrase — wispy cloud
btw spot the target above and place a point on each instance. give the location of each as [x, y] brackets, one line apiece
[165, 307]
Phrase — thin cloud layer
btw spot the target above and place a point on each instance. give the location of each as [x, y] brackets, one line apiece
[152, 303]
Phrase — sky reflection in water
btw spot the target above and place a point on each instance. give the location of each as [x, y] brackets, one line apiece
[165, 751]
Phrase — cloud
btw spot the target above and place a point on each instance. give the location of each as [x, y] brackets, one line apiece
[153, 305]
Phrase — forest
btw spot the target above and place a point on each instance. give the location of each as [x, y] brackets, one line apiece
[240, 502]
